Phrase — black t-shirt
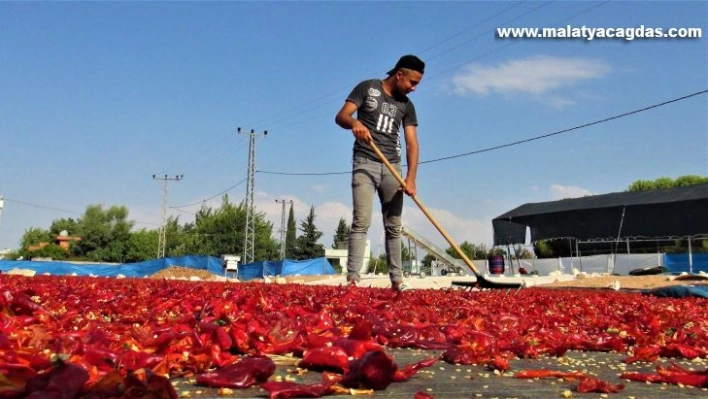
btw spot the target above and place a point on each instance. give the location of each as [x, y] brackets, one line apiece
[383, 115]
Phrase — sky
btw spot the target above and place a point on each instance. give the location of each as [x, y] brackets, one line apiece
[97, 97]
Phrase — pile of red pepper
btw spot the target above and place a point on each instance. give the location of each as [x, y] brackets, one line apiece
[108, 336]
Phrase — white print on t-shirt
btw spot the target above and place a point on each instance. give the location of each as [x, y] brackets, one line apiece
[386, 118]
[370, 104]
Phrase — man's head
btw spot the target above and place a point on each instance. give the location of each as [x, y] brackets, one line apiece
[407, 73]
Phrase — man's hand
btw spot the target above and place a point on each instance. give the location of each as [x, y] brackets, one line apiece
[410, 187]
[360, 131]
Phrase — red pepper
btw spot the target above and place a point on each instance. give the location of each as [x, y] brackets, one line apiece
[22, 304]
[375, 370]
[248, 372]
[674, 374]
[592, 384]
[286, 389]
[146, 384]
[65, 379]
[102, 358]
[331, 358]
[410, 370]
[644, 354]
[682, 350]
[356, 348]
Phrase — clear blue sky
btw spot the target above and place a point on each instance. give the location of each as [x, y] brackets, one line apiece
[96, 97]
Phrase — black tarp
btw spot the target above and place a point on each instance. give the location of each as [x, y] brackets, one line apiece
[671, 212]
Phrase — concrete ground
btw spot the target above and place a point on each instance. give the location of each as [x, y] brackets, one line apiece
[443, 380]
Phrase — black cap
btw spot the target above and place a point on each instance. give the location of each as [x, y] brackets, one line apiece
[409, 62]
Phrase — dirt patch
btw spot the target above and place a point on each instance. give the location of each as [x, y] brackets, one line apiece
[184, 273]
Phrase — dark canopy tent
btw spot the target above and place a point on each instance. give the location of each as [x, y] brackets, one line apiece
[671, 212]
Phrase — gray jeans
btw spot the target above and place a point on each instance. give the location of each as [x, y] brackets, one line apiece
[368, 177]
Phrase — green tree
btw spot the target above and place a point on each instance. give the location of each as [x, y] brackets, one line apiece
[689, 180]
[141, 245]
[291, 235]
[379, 264]
[522, 253]
[51, 251]
[341, 234]
[221, 231]
[472, 251]
[667, 182]
[104, 234]
[35, 235]
[307, 246]
[554, 248]
[70, 225]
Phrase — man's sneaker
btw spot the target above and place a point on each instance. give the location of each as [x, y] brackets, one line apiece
[398, 286]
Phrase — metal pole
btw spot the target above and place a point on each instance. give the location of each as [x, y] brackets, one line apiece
[250, 229]
[2, 202]
[283, 228]
[690, 257]
[162, 237]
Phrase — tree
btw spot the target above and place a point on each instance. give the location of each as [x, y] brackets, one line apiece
[307, 246]
[104, 234]
[689, 180]
[34, 236]
[378, 264]
[522, 253]
[472, 251]
[70, 225]
[141, 245]
[221, 231]
[290, 235]
[341, 234]
[667, 182]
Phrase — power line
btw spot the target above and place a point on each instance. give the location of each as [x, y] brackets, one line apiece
[212, 197]
[543, 136]
[64, 210]
[280, 118]
[514, 143]
[41, 206]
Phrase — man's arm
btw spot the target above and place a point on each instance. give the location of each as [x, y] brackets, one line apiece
[346, 120]
[412, 153]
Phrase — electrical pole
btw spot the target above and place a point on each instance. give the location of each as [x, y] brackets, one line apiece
[162, 240]
[250, 230]
[283, 228]
[2, 203]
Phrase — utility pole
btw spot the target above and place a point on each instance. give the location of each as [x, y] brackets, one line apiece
[162, 240]
[283, 228]
[250, 230]
[2, 203]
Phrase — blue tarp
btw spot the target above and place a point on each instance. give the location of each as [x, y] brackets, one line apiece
[679, 292]
[679, 263]
[140, 269]
[285, 267]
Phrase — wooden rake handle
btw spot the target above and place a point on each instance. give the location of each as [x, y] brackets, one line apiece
[422, 207]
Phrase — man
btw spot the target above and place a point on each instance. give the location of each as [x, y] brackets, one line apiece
[382, 107]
